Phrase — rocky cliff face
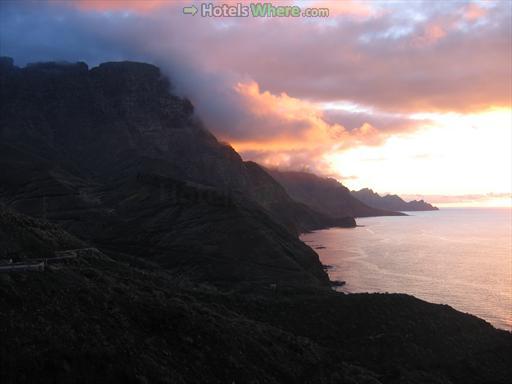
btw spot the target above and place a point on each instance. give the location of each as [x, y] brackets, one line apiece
[391, 202]
[117, 117]
[325, 195]
[110, 154]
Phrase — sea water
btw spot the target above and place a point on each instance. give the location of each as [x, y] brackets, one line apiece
[456, 256]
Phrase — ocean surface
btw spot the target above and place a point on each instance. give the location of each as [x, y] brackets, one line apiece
[456, 256]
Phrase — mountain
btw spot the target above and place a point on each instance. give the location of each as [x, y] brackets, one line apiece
[391, 202]
[325, 195]
[299, 216]
[120, 119]
[111, 155]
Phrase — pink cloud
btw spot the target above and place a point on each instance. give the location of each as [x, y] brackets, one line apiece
[346, 7]
[473, 12]
[438, 64]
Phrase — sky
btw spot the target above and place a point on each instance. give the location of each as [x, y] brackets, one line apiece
[405, 97]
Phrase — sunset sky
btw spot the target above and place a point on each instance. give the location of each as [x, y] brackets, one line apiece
[412, 98]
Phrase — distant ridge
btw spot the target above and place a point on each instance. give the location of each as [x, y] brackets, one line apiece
[326, 195]
[391, 202]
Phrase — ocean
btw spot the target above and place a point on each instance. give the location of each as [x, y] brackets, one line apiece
[456, 256]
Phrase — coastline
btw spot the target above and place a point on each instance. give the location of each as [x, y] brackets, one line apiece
[393, 269]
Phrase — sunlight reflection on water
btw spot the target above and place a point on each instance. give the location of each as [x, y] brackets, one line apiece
[456, 256]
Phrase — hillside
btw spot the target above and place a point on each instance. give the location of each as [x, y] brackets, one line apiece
[112, 318]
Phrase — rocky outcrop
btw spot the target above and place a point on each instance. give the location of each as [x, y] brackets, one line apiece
[391, 202]
[112, 119]
[325, 195]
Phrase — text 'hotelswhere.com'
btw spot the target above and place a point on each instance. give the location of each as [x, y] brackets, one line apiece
[253, 10]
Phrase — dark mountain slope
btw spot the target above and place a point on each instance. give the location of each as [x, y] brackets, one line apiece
[210, 234]
[75, 141]
[325, 195]
[110, 119]
[23, 237]
[94, 319]
[272, 196]
[391, 202]
[120, 119]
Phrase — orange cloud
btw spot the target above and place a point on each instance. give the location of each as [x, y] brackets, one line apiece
[299, 129]
[433, 33]
[303, 136]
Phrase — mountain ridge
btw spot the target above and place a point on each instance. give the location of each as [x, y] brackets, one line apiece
[391, 202]
[325, 195]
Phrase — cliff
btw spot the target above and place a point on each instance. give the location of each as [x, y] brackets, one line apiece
[391, 202]
[114, 157]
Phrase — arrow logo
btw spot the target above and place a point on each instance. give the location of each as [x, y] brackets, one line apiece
[192, 10]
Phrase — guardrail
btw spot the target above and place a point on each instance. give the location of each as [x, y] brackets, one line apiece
[22, 267]
[40, 264]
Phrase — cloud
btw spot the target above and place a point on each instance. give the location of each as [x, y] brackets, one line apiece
[473, 12]
[282, 131]
[347, 7]
[263, 84]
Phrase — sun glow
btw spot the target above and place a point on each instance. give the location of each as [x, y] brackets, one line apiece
[455, 155]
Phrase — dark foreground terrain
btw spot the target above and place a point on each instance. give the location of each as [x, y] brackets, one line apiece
[136, 248]
[110, 318]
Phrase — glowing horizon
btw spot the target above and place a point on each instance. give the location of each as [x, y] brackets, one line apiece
[465, 155]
